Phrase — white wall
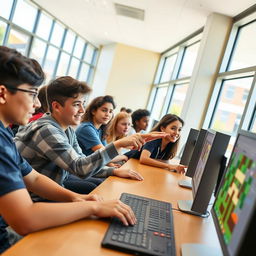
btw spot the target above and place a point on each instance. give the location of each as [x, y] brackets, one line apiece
[126, 73]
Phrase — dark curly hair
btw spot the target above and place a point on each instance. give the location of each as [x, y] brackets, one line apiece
[137, 115]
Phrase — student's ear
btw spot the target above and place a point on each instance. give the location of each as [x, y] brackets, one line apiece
[56, 106]
[2, 94]
[162, 129]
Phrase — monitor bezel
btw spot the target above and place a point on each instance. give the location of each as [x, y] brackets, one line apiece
[196, 153]
[187, 152]
[224, 247]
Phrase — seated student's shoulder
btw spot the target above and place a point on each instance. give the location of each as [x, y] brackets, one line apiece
[153, 143]
[85, 127]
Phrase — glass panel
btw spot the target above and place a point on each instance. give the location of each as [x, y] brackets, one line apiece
[254, 125]
[50, 62]
[38, 50]
[63, 64]
[73, 70]
[84, 72]
[89, 53]
[168, 68]
[5, 10]
[178, 99]
[2, 31]
[189, 60]
[90, 75]
[57, 34]
[25, 15]
[78, 51]
[159, 70]
[229, 109]
[245, 49]
[18, 40]
[158, 103]
[69, 41]
[44, 26]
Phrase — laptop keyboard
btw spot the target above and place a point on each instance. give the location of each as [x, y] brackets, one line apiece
[153, 232]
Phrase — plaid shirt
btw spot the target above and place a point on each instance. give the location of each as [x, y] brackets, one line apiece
[55, 152]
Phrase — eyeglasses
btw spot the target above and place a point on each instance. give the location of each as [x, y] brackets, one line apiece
[34, 94]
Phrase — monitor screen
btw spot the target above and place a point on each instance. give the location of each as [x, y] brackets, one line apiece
[202, 160]
[234, 207]
[189, 147]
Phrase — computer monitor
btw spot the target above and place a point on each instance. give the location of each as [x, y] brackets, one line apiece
[187, 183]
[206, 173]
[196, 153]
[234, 210]
[189, 147]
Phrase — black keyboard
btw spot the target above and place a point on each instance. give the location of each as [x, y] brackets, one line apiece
[153, 233]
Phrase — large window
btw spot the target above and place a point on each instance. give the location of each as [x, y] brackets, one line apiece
[168, 68]
[38, 50]
[228, 112]
[188, 61]
[25, 15]
[232, 105]
[35, 33]
[6, 7]
[19, 41]
[244, 53]
[159, 100]
[173, 77]
[44, 26]
[178, 98]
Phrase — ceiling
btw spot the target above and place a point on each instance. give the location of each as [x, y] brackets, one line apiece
[166, 22]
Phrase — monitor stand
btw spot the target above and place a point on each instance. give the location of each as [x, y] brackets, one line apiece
[199, 250]
[185, 183]
[186, 205]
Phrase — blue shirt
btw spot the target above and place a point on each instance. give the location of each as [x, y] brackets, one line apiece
[12, 169]
[88, 136]
[154, 147]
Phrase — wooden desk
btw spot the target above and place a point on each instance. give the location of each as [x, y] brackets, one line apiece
[84, 237]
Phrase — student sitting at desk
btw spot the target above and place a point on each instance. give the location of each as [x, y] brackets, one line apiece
[140, 119]
[91, 133]
[19, 80]
[49, 144]
[162, 149]
[118, 127]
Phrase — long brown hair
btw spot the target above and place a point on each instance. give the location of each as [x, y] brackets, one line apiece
[164, 122]
[111, 131]
[93, 106]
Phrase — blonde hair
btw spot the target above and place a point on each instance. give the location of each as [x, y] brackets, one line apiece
[111, 131]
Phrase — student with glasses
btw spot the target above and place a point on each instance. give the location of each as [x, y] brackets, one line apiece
[17, 177]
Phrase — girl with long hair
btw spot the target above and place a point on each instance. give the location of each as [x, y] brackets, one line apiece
[154, 152]
[118, 127]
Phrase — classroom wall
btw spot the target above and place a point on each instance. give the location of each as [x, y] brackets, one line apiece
[130, 76]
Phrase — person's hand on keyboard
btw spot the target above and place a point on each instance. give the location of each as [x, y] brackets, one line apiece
[114, 208]
[127, 173]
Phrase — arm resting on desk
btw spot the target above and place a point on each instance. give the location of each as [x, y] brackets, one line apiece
[145, 159]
